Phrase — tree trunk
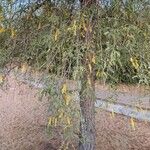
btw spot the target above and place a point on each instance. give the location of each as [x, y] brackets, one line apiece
[87, 124]
[87, 94]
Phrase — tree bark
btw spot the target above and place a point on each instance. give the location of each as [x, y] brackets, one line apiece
[87, 93]
[87, 124]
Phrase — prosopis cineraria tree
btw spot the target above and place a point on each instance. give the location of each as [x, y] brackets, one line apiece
[83, 41]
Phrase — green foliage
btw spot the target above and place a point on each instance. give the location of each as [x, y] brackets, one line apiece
[49, 37]
[64, 110]
[52, 40]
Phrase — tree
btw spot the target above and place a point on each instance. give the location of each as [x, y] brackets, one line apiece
[85, 42]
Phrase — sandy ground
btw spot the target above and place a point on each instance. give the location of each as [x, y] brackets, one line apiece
[23, 119]
[117, 134]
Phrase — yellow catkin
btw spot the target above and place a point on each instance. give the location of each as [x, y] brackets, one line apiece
[84, 26]
[50, 121]
[136, 65]
[131, 59]
[113, 114]
[60, 115]
[93, 60]
[68, 120]
[90, 68]
[2, 30]
[75, 28]
[134, 62]
[55, 122]
[98, 74]
[67, 99]
[132, 123]
[13, 33]
[64, 89]
[56, 34]
[1, 17]
[89, 81]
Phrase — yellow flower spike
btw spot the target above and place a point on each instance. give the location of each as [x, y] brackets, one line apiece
[13, 33]
[60, 115]
[131, 59]
[113, 114]
[75, 28]
[1, 79]
[89, 81]
[55, 122]
[68, 120]
[132, 123]
[84, 26]
[136, 66]
[94, 60]
[1, 17]
[98, 74]
[2, 30]
[50, 121]
[90, 68]
[56, 34]
[134, 62]
[68, 99]
[64, 89]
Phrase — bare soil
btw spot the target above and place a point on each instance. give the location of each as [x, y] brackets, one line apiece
[117, 134]
[23, 119]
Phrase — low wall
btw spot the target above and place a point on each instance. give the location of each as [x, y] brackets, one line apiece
[126, 102]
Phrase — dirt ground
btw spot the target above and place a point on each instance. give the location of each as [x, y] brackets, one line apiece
[117, 134]
[23, 119]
